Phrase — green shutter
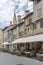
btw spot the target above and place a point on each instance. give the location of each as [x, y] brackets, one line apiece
[41, 24]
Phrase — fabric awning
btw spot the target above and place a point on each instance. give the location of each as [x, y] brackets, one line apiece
[5, 43]
[35, 38]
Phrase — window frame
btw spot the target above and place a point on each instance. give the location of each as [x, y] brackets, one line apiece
[39, 12]
[33, 26]
[41, 26]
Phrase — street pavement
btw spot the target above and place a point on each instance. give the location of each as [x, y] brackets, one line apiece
[8, 59]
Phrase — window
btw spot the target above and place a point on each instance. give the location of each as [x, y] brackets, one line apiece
[3, 46]
[41, 24]
[37, 1]
[39, 12]
[28, 29]
[33, 26]
[25, 30]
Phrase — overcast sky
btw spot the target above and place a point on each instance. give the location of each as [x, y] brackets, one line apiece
[7, 8]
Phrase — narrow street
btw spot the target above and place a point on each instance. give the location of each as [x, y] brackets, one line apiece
[8, 59]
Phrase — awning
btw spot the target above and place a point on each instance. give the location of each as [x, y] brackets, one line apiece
[35, 38]
[5, 43]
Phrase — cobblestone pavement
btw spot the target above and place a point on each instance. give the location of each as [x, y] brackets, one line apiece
[8, 59]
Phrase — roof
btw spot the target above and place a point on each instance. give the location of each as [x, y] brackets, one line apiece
[28, 15]
[13, 26]
[37, 20]
[24, 18]
[10, 26]
[5, 28]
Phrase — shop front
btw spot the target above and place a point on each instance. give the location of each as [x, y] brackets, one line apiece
[31, 43]
[5, 46]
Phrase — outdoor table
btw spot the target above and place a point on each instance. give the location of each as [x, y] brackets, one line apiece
[27, 54]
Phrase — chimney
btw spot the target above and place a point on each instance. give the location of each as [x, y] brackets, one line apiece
[19, 18]
[26, 12]
[10, 22]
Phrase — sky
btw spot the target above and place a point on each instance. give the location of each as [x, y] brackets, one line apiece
[7, 8]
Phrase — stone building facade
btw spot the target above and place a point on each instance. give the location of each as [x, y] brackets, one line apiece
[1, 37]
[30, 25]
